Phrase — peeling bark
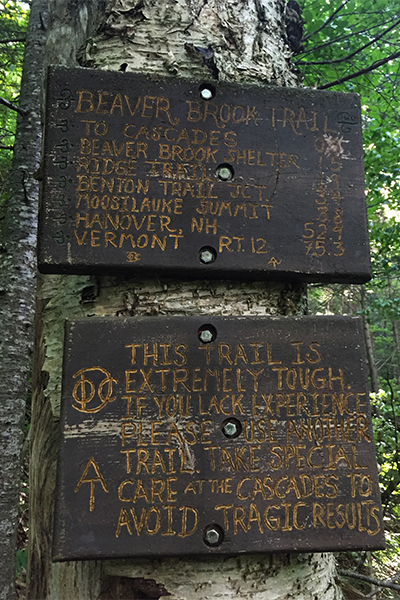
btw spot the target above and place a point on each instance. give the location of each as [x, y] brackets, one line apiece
[248, 39]
[235, 41]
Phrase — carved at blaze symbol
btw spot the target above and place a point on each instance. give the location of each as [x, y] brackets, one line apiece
[85, 390]
[92, 481]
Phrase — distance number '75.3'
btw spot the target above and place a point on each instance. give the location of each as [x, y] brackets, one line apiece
[314, 239]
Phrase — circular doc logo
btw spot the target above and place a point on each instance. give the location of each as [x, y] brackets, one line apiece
[85, 390]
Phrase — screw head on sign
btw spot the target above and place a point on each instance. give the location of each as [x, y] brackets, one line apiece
[224, 173]
[230, 429]
[206, 336]
[213, 535]
[206, 257]
[206, 93]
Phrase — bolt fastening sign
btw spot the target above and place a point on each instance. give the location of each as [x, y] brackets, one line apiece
[201, 180]
[193, 435]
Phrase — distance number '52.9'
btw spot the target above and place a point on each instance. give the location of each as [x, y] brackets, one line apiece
[314, 239]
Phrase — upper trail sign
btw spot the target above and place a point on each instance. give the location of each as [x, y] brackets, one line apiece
[215, 180]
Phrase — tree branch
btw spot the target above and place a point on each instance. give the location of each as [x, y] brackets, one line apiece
[396, 437]
[13, 106]
[376, 204]
[379, 589]
[329, 19]
[375, 65]
[388, 584]
[11, 40]
[338, 60]
[342, 38]
[6, 147]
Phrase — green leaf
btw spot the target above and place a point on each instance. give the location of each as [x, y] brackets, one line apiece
[22, 560]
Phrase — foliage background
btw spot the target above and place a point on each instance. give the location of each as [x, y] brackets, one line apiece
[353, 45]
[13, 23]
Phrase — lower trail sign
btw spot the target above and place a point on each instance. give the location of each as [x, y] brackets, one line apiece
[184, 436]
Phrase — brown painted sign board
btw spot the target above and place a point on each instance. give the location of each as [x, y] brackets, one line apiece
[194, 435]
[185, 178]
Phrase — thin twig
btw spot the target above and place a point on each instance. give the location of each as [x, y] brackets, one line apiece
[11, 40]
[375, 65]
[329, 19]
[396, 438]
[6, 147]
[339, 60]
[341, 39]
[13, 106]
[379, 589]
[376, 204]
[388, 584]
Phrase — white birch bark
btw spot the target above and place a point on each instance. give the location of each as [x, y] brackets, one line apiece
[161, 36]
[17, 296]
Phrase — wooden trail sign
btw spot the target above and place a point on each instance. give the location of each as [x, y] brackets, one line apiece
[193, 435]
[201, 180]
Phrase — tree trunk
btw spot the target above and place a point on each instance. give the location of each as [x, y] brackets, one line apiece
[369, 345]
[246, 42]
[394, 367]
[17, 295]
